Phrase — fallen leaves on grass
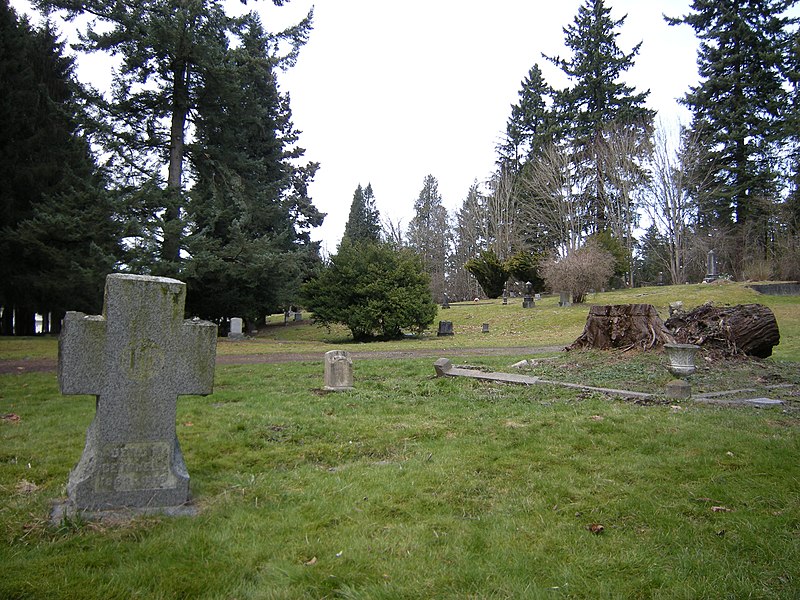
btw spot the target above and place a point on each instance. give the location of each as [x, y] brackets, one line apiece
[596, 417]
[26, 487]
[721, 509]
[311, 563]
[10, 418]
[596, 528]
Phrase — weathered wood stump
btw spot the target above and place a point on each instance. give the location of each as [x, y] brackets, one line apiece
[623, 326]
[743, 329]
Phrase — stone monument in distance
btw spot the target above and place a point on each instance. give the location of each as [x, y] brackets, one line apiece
[136, 358]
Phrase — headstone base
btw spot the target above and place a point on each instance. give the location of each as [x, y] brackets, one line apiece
[677, 389]
[65, 509]
[527, 302]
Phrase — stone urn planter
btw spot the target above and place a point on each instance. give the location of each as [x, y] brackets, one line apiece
[681, 358]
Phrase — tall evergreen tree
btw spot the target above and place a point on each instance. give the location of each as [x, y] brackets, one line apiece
[739, 108]
[170, 50]
[429, 234]
[530, 125]
[791, 208]
[249, 212]
[471, 231]
[57, 234]
[598, 102]
[364, 222]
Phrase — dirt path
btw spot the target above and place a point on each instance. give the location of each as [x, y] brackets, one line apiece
[44, 365]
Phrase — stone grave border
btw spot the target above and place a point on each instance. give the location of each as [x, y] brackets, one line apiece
[445, 368]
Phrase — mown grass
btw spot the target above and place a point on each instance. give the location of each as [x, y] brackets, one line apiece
[546, 324]
[417, 487]
[411, 486]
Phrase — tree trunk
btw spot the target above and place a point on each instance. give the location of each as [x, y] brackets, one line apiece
[24, 322]
[7, 321]
[171, 244]
[623, 326]
[744, 329]
[56, 319]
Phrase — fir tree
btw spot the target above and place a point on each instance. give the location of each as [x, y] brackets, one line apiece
[58, 237]
[739, 108]
[429, 234]
[170, 50]
[530, 125]
[249, 213]
[363, 223]
[598, 103]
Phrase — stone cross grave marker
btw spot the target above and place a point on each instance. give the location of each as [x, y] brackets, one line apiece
[136, 358]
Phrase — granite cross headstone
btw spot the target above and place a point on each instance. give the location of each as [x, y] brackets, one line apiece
[136, 359]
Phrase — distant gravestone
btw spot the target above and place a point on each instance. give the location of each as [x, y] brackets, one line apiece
[236, 328]
[565, 298]
[445, 328]
[136, 359]
[485, 328]
[338, 371]
[711, 267]
[445, 301]
[527, 300]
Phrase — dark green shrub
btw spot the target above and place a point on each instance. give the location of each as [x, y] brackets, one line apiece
[489, 271]
[373, 289]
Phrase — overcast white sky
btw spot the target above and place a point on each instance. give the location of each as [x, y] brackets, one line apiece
[389, 92]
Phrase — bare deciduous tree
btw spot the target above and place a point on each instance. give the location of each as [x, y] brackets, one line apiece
[621, 151]
[582, 270]
[555, 206]
[669, 201]
[502, 213]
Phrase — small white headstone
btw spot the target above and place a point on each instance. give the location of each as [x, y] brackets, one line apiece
[338, 371]
[236, 328]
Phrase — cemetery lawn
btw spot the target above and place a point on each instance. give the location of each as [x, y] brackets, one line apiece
[412, 486]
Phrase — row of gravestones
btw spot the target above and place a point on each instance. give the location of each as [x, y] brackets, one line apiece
[137, 358]
[237, 323]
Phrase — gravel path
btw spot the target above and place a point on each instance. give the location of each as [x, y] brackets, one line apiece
[44, 365]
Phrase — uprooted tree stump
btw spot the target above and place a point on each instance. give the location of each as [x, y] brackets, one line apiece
[743, 329]
[624, 326]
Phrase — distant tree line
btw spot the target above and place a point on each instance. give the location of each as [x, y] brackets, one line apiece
[589, 164]
[189, 167]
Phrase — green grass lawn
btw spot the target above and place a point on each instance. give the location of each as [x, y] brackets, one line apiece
[416, 487]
